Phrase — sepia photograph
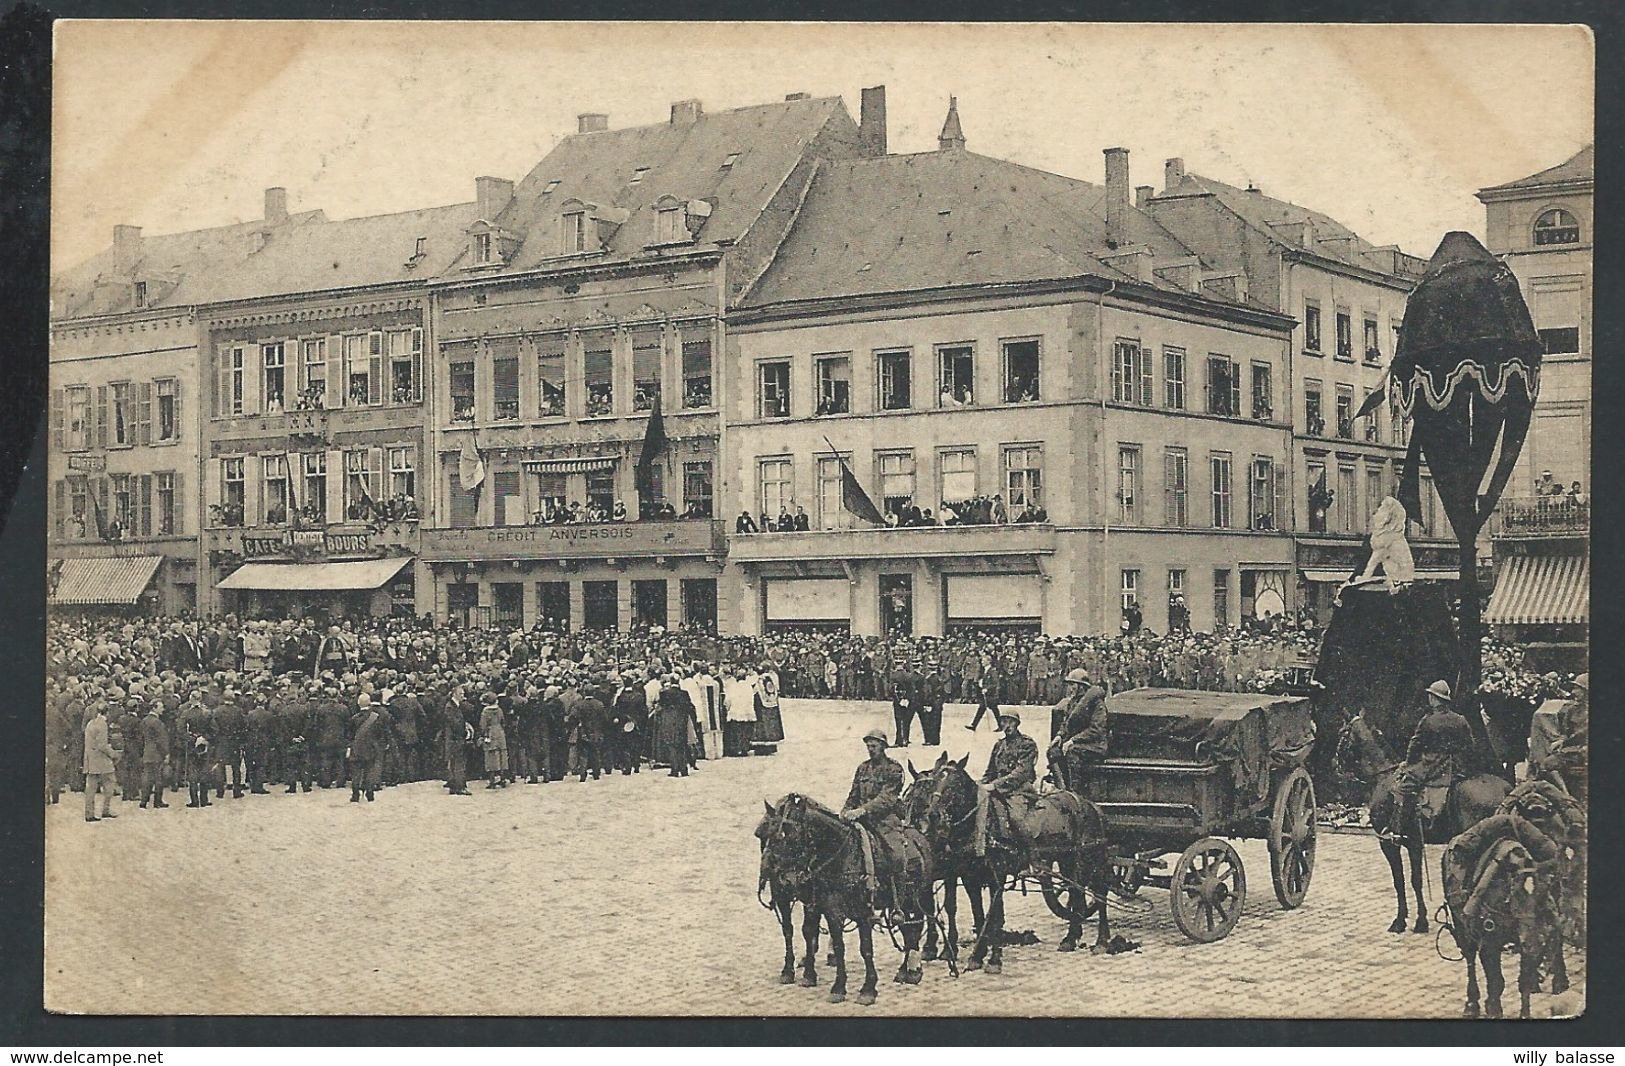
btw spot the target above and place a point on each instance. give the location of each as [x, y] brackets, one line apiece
[1004, 520]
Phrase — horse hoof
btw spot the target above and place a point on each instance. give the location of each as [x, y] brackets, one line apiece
[1398, 926]
[787, 978]
[914, 977]
[1492, 1009]
[1421, 926]
[902, 975]
[867, 999]
[974, 964]
[1067, 945]
[808, 980]
[837, 997]
[995, 968]
[1470, 1010]
[1560, 985]
[930, 955]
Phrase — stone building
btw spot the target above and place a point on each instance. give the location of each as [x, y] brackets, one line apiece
[588, 296]
[313, 434]
[970, 337]
[123, 503]
[1541, 227]
[1348, 299]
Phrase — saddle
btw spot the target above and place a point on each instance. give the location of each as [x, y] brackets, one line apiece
[893, 853]
[1433, 801]
[1047, 821]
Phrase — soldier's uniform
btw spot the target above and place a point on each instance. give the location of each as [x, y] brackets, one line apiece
[1436, 757]
[1011, 771]
[877, 787]
[1082, 738]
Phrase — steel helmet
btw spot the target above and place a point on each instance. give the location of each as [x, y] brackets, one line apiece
[875, 734]
[1440, 689]
[1077, 677]
[1583, 681]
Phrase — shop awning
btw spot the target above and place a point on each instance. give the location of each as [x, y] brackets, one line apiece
[1337, 577]
[109, 580]
[569, 466]
[315, 577]
[1542, 590]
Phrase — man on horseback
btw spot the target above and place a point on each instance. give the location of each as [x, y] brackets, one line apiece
[877, 786]
[1011, 773]
[1436, 756]
[1080, 740]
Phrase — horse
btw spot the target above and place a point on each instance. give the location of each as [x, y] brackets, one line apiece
[1363, 754]
[1076, 835]
[1500, 892]
[953, 866]
[785, 889]
[811, 846]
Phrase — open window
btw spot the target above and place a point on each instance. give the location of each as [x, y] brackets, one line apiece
[598, 372]
[697, 366]
[647, 354]
[550, 377]
[956, 371]
[462, 389]
[834, 384]
[1021, 371]
[406, 366]
[895, 380]
[774, 389]
[274, 357]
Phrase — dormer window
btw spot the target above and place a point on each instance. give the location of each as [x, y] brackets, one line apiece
[421, 249]
[573, 232]
[550, 186]
[729, 161]
[669, 226]
[1557, 226]
[141, 294]
[637, 175]
[482, 248]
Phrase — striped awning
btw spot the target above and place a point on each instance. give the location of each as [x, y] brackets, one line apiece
[569, 466]
[103, 580]
[1337, 577]
[1542, 590]
[315, 577]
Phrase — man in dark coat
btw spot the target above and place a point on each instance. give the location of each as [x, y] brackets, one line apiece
[366, 753]
[1438, 755]
[905, 699]
[197, 729]
[261, 724]
[125, 721]
[629, 716]
[406, 712]
[293, 728]
[933, 693]
[331, 725]
[454, 734]
[591, 728]
[553, 720]
[674, 719]
[530, 733]
[1084, 726]
[231, 728]
[154, 754]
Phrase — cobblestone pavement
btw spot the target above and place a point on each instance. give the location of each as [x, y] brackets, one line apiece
[637, 896]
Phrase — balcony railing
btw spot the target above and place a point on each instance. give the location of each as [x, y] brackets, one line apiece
[1015, 538]
[1538, 515]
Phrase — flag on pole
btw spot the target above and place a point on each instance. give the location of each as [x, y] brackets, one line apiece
[96, 511]
[470, 466]
[654, 445]
[853, 498]
[293, 497]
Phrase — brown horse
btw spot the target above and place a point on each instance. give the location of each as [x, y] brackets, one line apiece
[944, 810]
[811, 847]
[785, 889]
[1363, 754]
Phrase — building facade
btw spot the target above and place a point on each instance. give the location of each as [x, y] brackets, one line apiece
[1056, 359]
[1348, 299]
[315, 429]
[1541, 227]
[578, 334]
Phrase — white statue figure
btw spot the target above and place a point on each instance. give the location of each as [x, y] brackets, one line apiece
[1389, 550]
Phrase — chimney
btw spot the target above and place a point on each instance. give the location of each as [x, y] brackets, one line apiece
[126, 248]
[1116, 194]
[1173, 172]
[685, 112]
[592, 123]
[790, 98]
[951, 136]
[872, 121]
[276, 206]
[491, 195]
[1143, 195]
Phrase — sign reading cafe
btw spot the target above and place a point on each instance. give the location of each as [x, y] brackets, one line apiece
[304, 543]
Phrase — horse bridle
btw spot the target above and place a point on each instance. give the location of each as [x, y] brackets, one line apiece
[815, 868]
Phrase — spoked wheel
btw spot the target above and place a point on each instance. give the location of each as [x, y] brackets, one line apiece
[1207, 890]
[1292, 838]
[1058, 894]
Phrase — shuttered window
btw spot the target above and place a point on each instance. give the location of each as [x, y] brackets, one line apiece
[465, 505]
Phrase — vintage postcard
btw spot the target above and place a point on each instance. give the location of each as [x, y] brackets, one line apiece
[819, 519]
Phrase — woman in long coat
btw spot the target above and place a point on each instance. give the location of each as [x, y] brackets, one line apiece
[674, 722]
[769, 723]
[494, 738]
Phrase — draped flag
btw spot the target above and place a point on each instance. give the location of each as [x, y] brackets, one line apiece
[853, 498]
[654, 445]
[470, 466]
[96, 511]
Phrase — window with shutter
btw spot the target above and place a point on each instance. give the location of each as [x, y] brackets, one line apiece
[103, 494]
[101, 416]
[1281, 517]
[144, 512]
[465, 505]
[59, 517]
[335, 395]
[179, 504]
[58, 417]
[143, 412]
[1145, 377]
[417, 365]
[375, 369]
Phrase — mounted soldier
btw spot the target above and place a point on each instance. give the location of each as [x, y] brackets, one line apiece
[1079, 724]
[1012, 771]
[1436, 758]
[877, 786]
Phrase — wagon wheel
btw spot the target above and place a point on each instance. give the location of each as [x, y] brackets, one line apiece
[1292, 838]
[1207, 890]
[1056, 894]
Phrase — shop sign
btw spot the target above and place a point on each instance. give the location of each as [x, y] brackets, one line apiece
[87, 464]
[606, 540]
[306, 544]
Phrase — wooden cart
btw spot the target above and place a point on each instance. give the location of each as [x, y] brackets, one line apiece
[1187, 770]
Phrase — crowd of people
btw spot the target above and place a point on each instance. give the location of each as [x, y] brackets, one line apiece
[973, 511]
[245, 703]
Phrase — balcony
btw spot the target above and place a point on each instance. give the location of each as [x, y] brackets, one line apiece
[921, 542]
[605, 540]
[335, 540]
[1541, 516]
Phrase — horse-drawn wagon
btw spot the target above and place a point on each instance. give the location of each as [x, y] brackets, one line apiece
[1185, 771]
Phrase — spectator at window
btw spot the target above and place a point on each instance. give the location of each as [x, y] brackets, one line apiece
[618, 514]
[1577, 497]
[745, 523]
[802, 523]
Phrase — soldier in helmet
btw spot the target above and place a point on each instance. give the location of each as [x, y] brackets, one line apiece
[877, 786]
[1569, 756]
[1011, 770]
[1080, 725]
[1438, 752]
